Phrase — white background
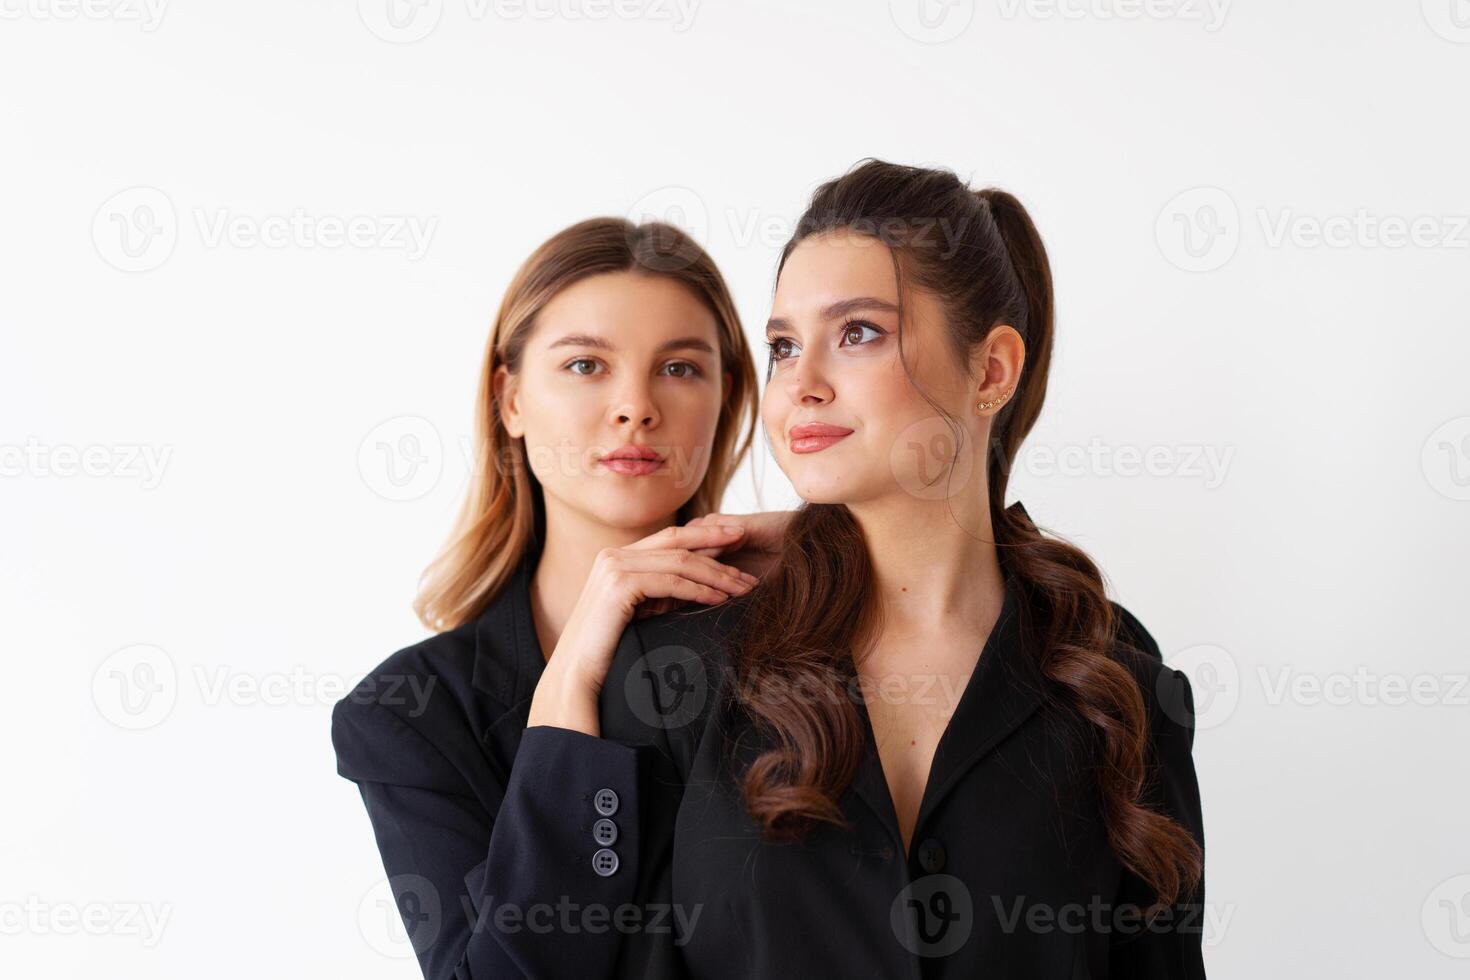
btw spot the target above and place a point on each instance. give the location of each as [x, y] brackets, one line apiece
[1312, 579]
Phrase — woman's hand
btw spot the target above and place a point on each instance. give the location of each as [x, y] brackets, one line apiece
[667, 566]
[756, 552]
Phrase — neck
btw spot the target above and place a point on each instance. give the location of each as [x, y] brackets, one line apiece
[573, 540]
[935, 564]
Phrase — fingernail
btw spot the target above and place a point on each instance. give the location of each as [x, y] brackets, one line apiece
[731, 528]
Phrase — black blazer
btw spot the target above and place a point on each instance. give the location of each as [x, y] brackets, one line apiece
[433, 739]
[1010, 874]
[489, 832]
[550, 853]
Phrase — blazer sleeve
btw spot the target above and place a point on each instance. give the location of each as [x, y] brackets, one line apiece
[1172, 945]
[526, 892]
[658, 692]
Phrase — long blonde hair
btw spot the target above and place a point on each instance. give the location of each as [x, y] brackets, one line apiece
[502, 514]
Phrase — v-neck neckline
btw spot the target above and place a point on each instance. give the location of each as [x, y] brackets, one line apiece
[987, 681]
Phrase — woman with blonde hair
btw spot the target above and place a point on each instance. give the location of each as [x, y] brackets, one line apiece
[616, 399]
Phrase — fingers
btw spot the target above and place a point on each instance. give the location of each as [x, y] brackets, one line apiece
[641, 575]
[709, 520]
[691, 536]
[766, 530]
[702, 570]
[763, 531]
[678, 564]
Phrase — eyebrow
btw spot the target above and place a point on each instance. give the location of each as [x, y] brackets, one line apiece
[602, 343]
[838, 309]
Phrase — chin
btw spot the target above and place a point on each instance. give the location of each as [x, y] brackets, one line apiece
[632, 511]
[825, 488]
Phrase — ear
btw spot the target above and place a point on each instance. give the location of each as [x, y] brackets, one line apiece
[996, 366]
[507, 390]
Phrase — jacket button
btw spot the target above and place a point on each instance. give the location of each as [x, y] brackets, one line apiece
[605, 832]
[605, 862]
[931, 856]
[606, 802]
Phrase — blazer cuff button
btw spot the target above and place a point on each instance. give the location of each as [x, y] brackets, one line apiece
[605, 862]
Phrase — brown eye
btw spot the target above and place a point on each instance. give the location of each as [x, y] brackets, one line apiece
[780, 348]
[572, 366]
[855, 330]
[686, 369]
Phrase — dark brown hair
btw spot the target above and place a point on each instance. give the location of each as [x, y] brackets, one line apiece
[980, 255]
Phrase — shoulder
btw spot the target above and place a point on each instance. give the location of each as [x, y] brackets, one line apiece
[1172, 785]
[662, 688]
[408, 710]
[702, 637]
[420, 679]
[704, 630]
[1167, 695]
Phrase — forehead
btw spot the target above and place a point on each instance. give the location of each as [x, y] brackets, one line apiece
[832, 266]
[617, 299]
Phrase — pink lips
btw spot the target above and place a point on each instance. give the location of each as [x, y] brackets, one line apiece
[632, 460]
[813, 437]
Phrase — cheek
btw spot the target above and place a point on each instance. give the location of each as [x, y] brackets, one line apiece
[689, 413]
[773, 414]
[886, 398]
[558, 432]
[695, 403]
[554, 429]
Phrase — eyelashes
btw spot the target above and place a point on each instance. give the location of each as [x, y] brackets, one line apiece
[779, 343]
[773, 345]
[691, 370]
[570, 365]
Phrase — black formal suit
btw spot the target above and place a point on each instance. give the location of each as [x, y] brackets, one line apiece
[433, 739]
[550, 853]
[1008, 875]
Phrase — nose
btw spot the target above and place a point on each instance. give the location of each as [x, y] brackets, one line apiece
[635, 405]
[808, 386]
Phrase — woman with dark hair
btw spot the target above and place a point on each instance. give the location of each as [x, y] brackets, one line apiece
[926, 744]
